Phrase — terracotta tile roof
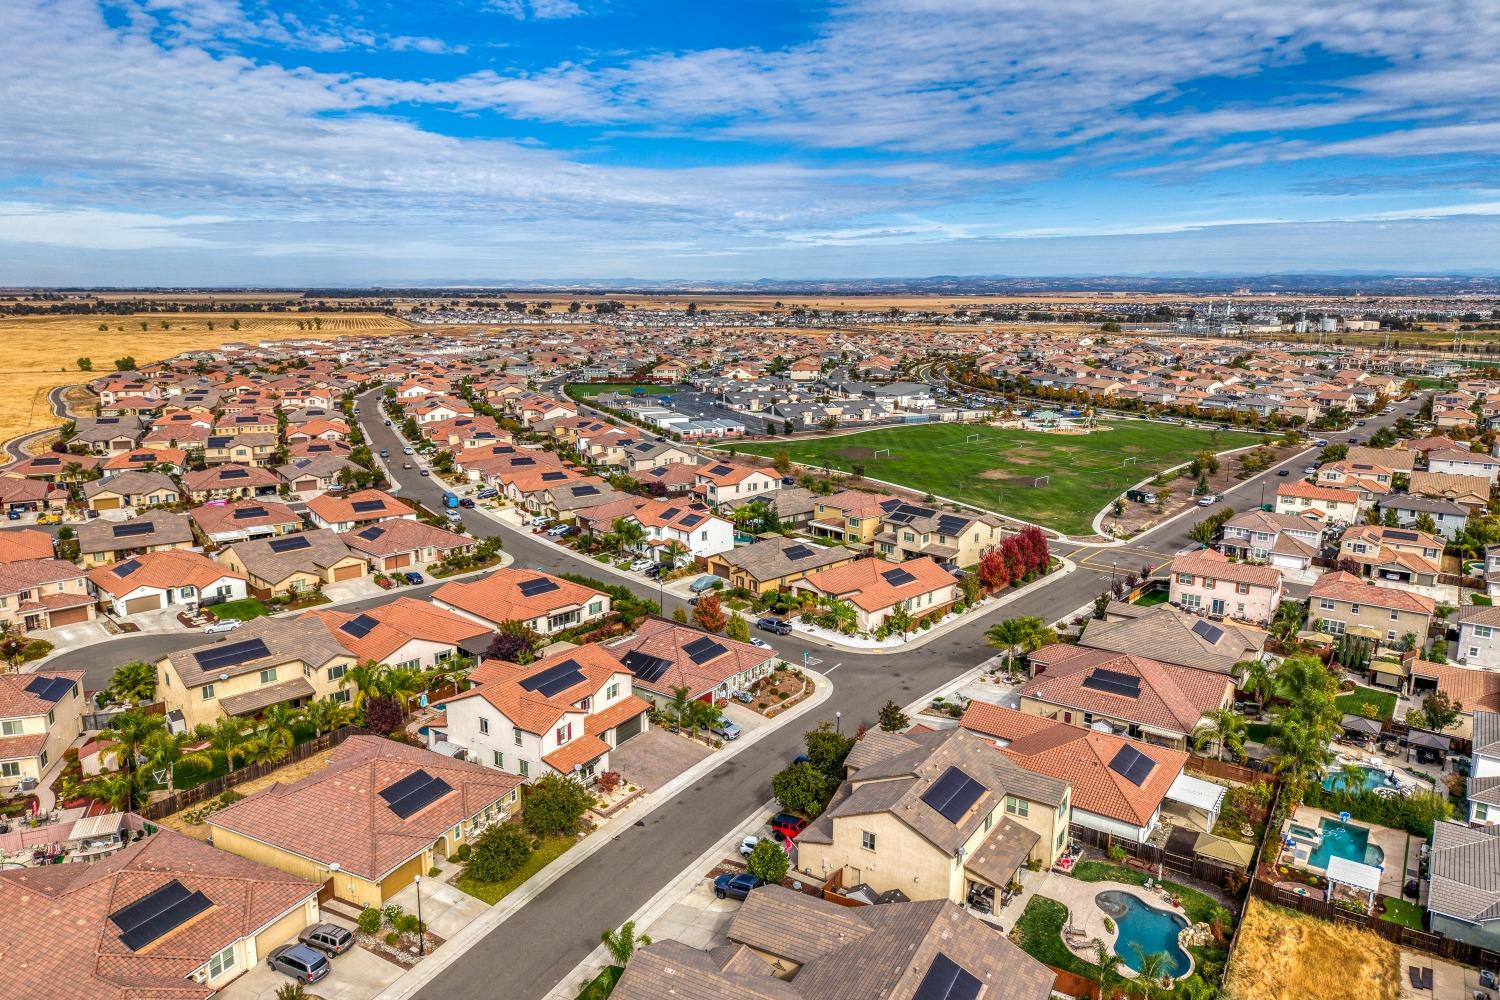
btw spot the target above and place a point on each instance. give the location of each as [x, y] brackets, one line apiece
[62, 945]
[660, 638]
[1171, 698]
[30, 573]
[1218, 566]
[621, 711]
[212, 520]
[1341, 586]
[498, 597]
[23, 544]
[161, 570]
[1473, 688]
[339, 509]
[1322, 494]
[337, 814]
[214, 478]
[867, 582]
[402, 535]
[576, 752]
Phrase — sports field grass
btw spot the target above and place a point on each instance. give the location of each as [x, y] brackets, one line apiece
[997, 471]
[591, 389]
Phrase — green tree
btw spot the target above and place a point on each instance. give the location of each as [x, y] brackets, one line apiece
[277, 728]
[1256, 678]
[131, 683]
[86, 364]
[125, 364]
[737, 629]
[826, 750]
[498, 853]
[839, 616]
[1351, 778]
[325, 715]
[226, 740]
[130, 731]
[892, 719]
[900, 620]
[621, 944]
[782, 462]
[800, 789]
[1026, 632]
[1101, 606]
[1426, 523]
[163, 751]
[1224, 729]
[767, 861]
[555, 805]
[1441, 711]
[628, 533]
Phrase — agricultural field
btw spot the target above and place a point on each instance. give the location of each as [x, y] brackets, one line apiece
[1002, 471]
[1283, 955]
[39, 353]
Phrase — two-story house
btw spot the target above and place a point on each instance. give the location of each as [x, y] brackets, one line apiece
[722, 482]
[1329, 504]
[562, 714]
[850, 516]
[1285, 541]
[405, 633]
[41, 714]
[1399, 555]
[953, 538]
[1340, 602]
[1464, 463]
[542, 602]
[1210, 582]
[1479, 636]
[43, 593]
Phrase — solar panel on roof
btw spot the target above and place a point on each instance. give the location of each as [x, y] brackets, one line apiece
[537, 585]
[721, 470]
[45, 460]
[1132, 765]
[131, 528]
[691, 520]
[952, 524]
[368, 506]
[414, 792]
[230, 654]
[704, 649]
[291, 544]
[234, 474]
[585, 491]
[1208, 632]
[644, 666]
[522, 461]
[245, 513]
[1405, 536]
[558, 677]
[797, 552]
[143, 456]
[671, 512]
[371, 533]
[552, 477]
[1114, 682]
[158, 913]
[128, 567]
[947, 980]
[359, 626]
[897, 577]
[49, 688]
[953, 794]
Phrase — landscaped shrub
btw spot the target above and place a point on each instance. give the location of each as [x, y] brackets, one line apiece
[1414, 813]
[499, 853]
[369, 920]
[393, 939]
[392, 913]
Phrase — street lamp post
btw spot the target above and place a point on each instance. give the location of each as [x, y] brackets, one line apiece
[838, 721]
[421, 930]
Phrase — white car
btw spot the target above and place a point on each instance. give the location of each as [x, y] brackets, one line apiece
[1311, 470]
[406, 451]
[223, 625]
[747, 845]
[1207, 501]
[756, 640]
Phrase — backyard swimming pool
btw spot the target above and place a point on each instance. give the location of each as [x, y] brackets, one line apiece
[1344, 840]
[1373, 779]
[1145, 926]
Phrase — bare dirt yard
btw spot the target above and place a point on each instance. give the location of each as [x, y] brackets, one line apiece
[1283, 955]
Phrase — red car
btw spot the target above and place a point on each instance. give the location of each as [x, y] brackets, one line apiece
[785, 826]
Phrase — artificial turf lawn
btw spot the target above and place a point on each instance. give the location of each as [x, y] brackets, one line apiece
[1403, 912]
[242, 610]
[996, 473]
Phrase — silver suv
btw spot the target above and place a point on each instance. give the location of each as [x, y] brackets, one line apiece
[331, 939]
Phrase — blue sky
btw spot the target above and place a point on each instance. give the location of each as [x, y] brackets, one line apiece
[344, 141]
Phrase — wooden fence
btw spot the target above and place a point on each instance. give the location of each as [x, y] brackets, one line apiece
[1226, 770]
[1073, 985]
[1150, 857]
[189, 797]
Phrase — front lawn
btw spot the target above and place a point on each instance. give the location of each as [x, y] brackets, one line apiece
[1384, 702]
[1198, 906]
[1152, 598]
[493, 892]
[1403, 912]
[1039, 934]
[1000, 469]
[242, 611]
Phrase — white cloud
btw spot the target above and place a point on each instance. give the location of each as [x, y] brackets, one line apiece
[541, 10]
[99, 229]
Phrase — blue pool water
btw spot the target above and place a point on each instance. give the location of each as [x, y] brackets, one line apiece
[1344, 840]
[1152, 929]
[1373, 779]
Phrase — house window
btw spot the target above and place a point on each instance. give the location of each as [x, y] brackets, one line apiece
[564, 733]
[208, 692]
[595, 607]
[1186, 579]
[612, 692]
[867, 840]
[11, 727]
[517, 733]
[51, 717]
[221, 963]
[1333, 626]
[1395, 617]
[484, 726]
[1481, 812]
[1482, 631]
[268, 675]
[525, 768]
[1390, 635]
[1208, 583]
[1242, 588]
[1191, 600]
[342, 697]
[43, 758]
[1325, 604]
[334, 673]
[499, 759]
[1017, 807]
[1354, 609]
[10, 769]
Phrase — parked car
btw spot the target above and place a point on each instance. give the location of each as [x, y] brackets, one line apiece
[466, 502]
[1321, 442]
[725, 729]
[385, 453]
[407, 450]
[406, 465]
[747, 845]
[1311, 470]
[222, 625]
[703, 583]
[1354, 440]
[757, 641]
[737, 886]
[413, 577]
[776, 626]
[1282, 472]
[743, 697]
[13, 514]
[453, 516]
[801, 758]
[1207, 501]
[301, 962]
[388, 423]
[425, 473]
[331, 939]
[488, 493]
[785, 826]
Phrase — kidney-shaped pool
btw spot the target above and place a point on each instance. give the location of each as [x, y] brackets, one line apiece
[1145, 926]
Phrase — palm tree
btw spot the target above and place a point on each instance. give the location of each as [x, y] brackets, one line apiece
[1150, 973]
[675, 550]
[1351, 778]
[628, 533]
[226, 740]
[71, 471]
[130, 730]
[1301, 754]
[163, 750]
[1225, 729]
[1256, 679]
[118, 791]
[326, 715]
[621, 944]
[1027, 632]
[900, 620]
[1109, 970]
[680, 707]
[132, 683]
[264, 750]
[277, 727]
[400, 683]
[450, 671]
[840, 616]
[365, 679]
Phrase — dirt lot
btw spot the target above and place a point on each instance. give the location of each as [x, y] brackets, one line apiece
[285, 775]
[1282, 955]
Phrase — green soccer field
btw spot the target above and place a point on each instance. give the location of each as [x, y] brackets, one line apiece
[588, 390]
[999, 470]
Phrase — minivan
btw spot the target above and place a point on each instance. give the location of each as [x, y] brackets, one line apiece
[300, 962]
[330, 939]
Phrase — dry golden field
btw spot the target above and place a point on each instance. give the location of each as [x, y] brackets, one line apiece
[1283, 955]
[39, 353]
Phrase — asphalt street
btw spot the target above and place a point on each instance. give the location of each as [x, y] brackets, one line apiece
[528, 954]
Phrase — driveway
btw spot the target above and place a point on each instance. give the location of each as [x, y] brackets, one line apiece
[73, 636]
[357, 975]
[445, 910]
[655, 757]
[351, 590]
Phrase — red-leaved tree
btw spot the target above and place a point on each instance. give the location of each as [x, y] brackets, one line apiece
[993, 572]
[708, 614]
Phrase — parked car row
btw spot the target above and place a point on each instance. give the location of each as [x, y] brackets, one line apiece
[307, 961]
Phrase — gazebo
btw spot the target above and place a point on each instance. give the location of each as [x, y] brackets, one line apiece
[1430, 747]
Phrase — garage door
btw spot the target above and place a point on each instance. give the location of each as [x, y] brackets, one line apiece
[151, 602]
[106, 503]
[400, 878]
[69, 616]
[399, 560]
[720, 570]
[627, 729]
[353, 572]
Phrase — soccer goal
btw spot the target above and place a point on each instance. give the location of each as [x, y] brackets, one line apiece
[1130, 460]
[972, 439]
[1040, 481]
[878, 452]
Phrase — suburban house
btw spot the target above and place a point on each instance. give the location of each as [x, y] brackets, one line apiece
[404, 633]
[41, 714]
[1402, 555]
[951, 537]
[787, 945]
[166, 916]
[562, 715]
[314, 474]
[1470, 492]
[1330, 504]
[775, 563]
[233, 481]
[1449, 517]
[1142, 698]
[20, 544]
[1120, 786]
[43, 593]
[544, 603]
[1284, 541]
[936, 815]
[130, 489]
[877, 588]
[1172, 635]
[107, 435]
[404, 543]
[722, 482]
[224, 523]
[1463, 900]
[1209, 582]
[101, 542]
[162, 580]
[398, 808]
[699, 531]
[1341, 602]
[265, 662]
[1464, 463]
[293, 563]
[850, 516]
[1479, 636]
[365, 507]
[663, 657]
[1484, 769]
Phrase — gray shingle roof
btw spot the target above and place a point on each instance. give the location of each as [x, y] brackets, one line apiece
[1465, 869]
